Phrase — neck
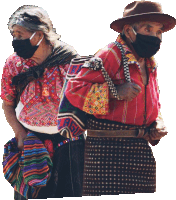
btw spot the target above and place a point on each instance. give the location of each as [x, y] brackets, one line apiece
[43, 51]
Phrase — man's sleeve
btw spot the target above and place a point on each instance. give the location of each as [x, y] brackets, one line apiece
[89, 91]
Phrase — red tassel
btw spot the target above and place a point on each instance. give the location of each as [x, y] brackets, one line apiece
[49, 146]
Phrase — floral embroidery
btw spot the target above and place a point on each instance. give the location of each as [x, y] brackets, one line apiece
[96, 101]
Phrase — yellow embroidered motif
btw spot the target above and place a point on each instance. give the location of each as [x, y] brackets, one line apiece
[45, 92]
[97, 100]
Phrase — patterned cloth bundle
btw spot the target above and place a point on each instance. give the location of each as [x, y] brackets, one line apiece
[71, 120]
[29, 168]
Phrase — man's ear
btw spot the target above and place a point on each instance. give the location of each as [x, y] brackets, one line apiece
[129, 33]
[127, 29]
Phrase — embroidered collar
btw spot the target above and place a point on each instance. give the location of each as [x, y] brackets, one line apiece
[150, 62]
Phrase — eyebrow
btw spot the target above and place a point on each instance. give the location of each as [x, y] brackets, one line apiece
[149, 26]
[12, 32]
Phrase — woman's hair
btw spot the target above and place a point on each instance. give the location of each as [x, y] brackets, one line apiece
[34, 18]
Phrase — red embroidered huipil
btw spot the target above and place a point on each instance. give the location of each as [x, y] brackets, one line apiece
[39, 102]
[89, 92]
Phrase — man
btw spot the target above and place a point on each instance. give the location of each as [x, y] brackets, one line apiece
[118, 91]
[32, 81]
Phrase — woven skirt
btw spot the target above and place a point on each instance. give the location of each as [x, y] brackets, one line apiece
[115, 166]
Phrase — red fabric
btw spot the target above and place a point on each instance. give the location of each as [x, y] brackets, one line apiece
[49, 146]
[40, 99]
[132, 112]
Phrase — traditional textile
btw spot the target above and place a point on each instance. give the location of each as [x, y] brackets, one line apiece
[96, 101]
[62, 54]
[118, 166]
[70, 140]
[30, 168]
[142, 110]
[67, 171]
[71, 120]
[38, 106]
[103, 124]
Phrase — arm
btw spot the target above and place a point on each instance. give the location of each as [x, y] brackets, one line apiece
[19, 130]
[9, 95]
[88, 91]
[157, 131]
[157, 128]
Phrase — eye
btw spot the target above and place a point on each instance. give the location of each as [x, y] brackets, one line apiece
[147, 29]
[16, 36]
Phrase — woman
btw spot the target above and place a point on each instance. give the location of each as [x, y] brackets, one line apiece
[32, 81]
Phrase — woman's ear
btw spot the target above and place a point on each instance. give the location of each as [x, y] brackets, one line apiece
[40, 34]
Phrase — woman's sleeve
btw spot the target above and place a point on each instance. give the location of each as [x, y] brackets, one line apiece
[8, 92]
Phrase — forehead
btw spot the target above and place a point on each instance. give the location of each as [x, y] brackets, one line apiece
[154, 25]
[17, 28]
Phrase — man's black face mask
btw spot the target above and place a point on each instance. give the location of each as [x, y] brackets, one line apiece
[146, 46]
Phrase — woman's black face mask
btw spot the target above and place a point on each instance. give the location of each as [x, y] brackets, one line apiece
[146, 46]
[23, 48]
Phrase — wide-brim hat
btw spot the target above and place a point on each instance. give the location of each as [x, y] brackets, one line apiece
[138, 11]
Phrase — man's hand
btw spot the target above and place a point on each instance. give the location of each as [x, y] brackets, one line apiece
[157, 131]
[128, 91]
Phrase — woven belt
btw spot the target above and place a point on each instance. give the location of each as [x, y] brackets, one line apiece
[139, 133]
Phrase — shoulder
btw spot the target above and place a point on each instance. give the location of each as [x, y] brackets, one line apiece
[12, 58]
[14, 64]
[15, 60]
[109, 52]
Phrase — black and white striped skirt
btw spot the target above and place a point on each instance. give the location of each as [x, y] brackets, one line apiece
[115, 166]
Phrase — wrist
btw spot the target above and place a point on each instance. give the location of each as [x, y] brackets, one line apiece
[119, 97]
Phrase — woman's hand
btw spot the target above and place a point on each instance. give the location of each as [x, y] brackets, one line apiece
[19, 130]
[20, 140]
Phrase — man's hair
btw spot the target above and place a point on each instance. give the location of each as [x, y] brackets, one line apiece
[34, 18]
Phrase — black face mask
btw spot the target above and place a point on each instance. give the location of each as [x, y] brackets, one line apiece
[23, 48]
[146, 46]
